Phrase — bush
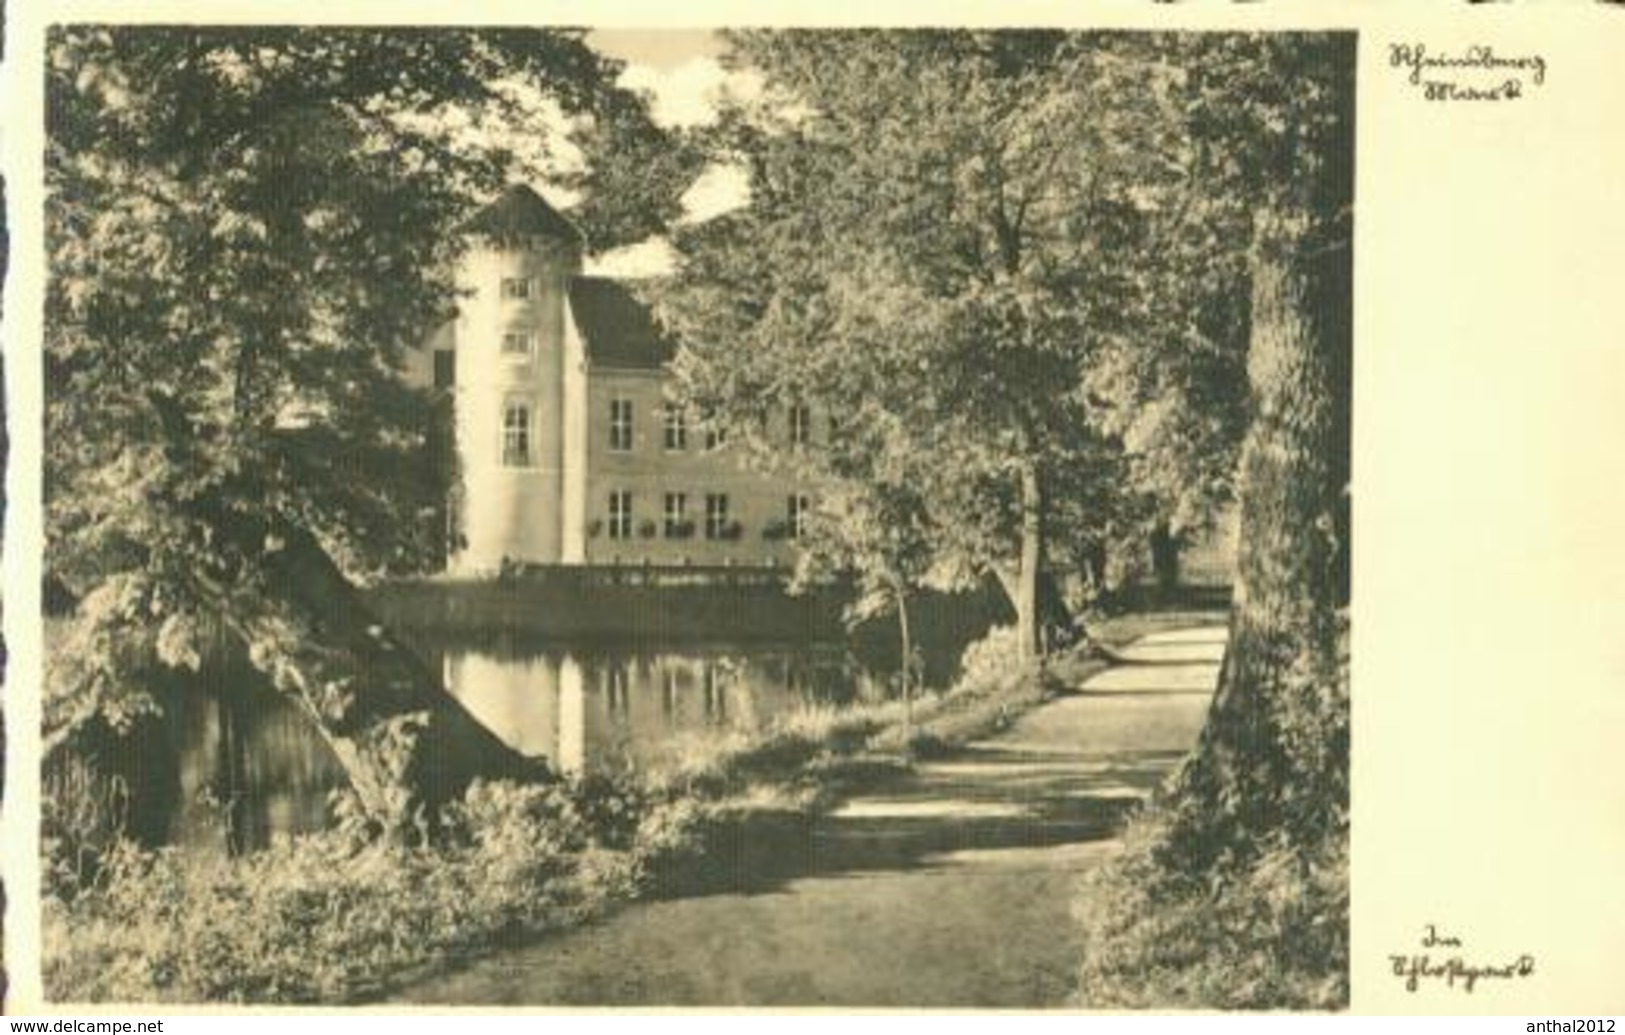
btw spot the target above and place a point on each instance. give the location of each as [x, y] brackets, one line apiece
[612, 805]
[82, 818]
[319, 920]
[1273, 935]
[994, 688]
[990, 661]
[672, 835]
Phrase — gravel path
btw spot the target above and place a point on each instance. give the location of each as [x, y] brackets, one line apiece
[951, 887]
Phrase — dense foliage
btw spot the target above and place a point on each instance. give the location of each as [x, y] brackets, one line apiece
[246, 228]
[962, 246]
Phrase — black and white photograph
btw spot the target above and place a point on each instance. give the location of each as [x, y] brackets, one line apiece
[866, 529]
[818, 517]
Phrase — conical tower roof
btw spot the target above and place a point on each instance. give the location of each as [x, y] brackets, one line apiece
[522, 213]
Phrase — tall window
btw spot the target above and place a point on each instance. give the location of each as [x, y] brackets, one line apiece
[516, 435]
[800, 425]
[795, 513]
[620, 514]
[620, 425]
[677, 515]
[445, 368]
[716, 515]
[517, 343]
[676, 427]
[517, 287]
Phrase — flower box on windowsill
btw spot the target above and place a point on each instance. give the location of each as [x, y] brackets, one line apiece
[680, 530]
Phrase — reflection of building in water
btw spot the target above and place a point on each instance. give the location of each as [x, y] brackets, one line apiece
[669, 691]
[517, 697]
[621, 709]
[617, 692]
[716, 695]
[571, 753]
[245, 767]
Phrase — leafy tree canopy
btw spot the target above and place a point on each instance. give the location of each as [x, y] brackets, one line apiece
[1002, 260]
[246, 228]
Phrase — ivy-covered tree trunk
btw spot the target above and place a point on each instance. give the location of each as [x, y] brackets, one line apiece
[1274, 752]
[406, 745]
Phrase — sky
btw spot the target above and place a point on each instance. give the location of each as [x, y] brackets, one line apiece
[679, 69]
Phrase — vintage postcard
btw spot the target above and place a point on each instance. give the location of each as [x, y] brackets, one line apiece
[1028, 509]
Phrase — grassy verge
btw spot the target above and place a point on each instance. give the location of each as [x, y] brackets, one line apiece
[741, 805]
[332, 918]
[1231, 888]
[1271, 934]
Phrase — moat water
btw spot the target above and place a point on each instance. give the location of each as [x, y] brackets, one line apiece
[231, 764]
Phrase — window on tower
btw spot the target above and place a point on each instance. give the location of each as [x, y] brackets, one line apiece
[517, 343]
[516, 435]
[620, 425]
[517, 287]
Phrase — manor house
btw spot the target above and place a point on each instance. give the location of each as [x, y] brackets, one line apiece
[570, 449]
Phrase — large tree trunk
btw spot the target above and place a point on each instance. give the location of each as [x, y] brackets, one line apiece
[407, 745]
[1273, 758]
[1274, 752]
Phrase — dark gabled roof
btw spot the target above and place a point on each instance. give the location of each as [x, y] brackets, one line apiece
[616, 328]
[522, 213]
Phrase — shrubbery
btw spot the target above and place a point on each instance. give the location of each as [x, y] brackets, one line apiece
[1272, 934]
[994, 687]
[332, 917]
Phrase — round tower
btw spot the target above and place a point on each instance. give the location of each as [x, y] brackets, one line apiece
[510, 343]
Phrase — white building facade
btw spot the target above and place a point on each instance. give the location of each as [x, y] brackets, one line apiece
[570, 447]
